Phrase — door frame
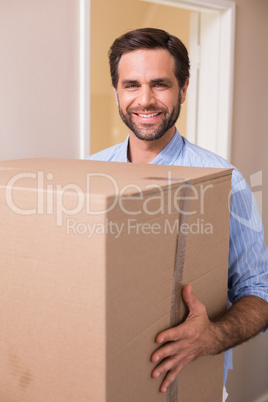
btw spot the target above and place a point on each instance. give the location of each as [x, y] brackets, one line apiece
[84, 80]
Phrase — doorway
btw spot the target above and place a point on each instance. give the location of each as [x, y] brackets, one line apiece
[207, 30]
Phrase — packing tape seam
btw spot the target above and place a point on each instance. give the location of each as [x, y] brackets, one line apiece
[172, 391]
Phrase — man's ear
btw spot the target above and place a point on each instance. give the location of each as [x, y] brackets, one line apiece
[116, 96]
[184, 90]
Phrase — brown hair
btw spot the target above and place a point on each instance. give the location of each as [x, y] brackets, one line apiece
[150, 38]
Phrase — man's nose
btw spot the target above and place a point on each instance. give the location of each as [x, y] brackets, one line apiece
[146, 96]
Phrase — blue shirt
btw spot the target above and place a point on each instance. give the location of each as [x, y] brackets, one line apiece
[248, 254]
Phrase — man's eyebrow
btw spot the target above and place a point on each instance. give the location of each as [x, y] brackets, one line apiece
[126, 82]
[154, 81]
[164, 80]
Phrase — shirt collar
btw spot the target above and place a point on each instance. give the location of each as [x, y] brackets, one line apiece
[167, 156]
[123, 152]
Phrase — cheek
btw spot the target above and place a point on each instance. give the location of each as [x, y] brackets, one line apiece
[126, 100]
[167, 101]
[174, 102]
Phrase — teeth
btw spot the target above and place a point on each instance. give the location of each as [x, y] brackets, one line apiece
[147, 115]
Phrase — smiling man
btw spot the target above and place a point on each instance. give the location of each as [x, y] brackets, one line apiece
[150, 75]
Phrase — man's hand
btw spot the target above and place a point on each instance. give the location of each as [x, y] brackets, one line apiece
[198, 336]
[184, 343]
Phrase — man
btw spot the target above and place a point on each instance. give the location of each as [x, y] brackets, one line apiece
[150, 75]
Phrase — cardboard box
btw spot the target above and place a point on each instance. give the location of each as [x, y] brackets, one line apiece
[93, 259]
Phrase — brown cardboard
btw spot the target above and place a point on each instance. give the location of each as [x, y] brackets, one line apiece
[79, 313]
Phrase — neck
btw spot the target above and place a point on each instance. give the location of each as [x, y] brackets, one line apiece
[140, 151]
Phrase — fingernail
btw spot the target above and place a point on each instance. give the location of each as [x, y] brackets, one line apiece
[157, 375]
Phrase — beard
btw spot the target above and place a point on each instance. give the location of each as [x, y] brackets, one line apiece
[147, 131]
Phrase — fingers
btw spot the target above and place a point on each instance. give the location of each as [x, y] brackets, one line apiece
[184, 343]
[169, 349]
[179, 333]
[168, 335]
[170, 377]
[173, 334]
[172, 366]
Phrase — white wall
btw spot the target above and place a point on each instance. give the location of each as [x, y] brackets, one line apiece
[39, 78]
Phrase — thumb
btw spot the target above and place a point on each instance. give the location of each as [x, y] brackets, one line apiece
[190, 299]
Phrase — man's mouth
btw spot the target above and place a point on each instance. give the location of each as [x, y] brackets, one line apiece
[148, 115]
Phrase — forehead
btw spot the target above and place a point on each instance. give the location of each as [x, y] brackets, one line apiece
[146, 64]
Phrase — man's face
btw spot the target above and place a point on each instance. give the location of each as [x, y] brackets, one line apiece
[148, 93]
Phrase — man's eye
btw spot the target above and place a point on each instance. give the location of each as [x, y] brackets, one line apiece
[130, 86]
[160, 84]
